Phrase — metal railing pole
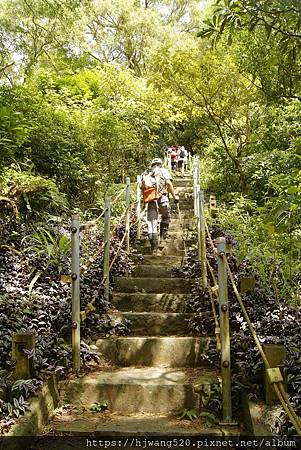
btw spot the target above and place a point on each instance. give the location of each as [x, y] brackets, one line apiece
[75, 279]
[106, 253]
[198, 220]
[192, 159]
[195, 189]
[224, 330]
[127, 216]
[138, 208]
[203, 239]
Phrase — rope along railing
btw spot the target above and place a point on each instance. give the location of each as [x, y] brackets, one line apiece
[221, 290]
[77, 270]
[274, 374]
[94, 222]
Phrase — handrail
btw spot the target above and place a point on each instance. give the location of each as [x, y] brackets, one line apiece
[91, 223]
[141, 215]
[91, 260]
[216, 322]
[90, 306]
[95, 221]
[210, 238]
[118, 196]
[116, 225]
[278, 385]
[116, 254]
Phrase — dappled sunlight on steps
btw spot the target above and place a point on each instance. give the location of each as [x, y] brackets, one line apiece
[151, 375]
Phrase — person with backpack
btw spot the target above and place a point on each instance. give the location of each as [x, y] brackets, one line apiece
[156, 184]
[174, 159]
[182, 155]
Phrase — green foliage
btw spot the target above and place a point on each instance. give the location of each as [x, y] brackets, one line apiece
[13, 133]
[99, 406]
[189, 413]
[50, 247]
[211, 418]
[273, 252]
[278, 18]
[26, 194]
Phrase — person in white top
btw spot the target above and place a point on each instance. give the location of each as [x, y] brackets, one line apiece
[160, 205]
[182, 156]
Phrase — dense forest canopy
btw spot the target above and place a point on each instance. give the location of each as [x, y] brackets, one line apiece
[90, 90]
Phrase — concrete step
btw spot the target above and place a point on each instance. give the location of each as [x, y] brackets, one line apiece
[185, 208]
[182, 190]
[156, 271]
[185, 203]
[155, 323]
[140, 390]
[169, 245]
[165, 252]
[171, 261]
[174, 238]
[156, 285]
[80, 428]
[176, 221]
[154, 351]
[183, 182]
[184, 213]
[177, 225]
[133, 302]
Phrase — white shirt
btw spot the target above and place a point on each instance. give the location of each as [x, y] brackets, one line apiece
[182, 148]
[166, 174]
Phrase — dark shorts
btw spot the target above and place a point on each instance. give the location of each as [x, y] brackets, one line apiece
[163, 208]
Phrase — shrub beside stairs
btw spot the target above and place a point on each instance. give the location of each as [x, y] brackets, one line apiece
[149, 377]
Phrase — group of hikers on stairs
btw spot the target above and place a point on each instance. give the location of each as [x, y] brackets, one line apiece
[157, 184]
[178, 158]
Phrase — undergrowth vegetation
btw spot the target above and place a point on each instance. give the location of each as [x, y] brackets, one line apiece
[274, 251]
[90, 92]
[275, 320]
[34, 298]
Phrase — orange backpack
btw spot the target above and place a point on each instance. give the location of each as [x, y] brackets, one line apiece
[153, 184]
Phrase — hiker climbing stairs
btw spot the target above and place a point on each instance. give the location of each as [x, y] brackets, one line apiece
[149, 376]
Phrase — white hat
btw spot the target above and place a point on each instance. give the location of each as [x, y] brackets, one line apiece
[156, 161]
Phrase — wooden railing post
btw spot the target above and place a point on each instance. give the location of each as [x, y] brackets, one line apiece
[127, 215]
[75, 280]
[106, 254]
[24, 368]
[224, 330]
[138, 208]
[203, 253]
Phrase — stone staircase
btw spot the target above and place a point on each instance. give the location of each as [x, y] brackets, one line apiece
[150, 376]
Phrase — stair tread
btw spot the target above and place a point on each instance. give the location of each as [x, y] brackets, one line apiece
[153, 284]
[161, 338]
[151, 313]
[176, 279]
[134, 425]
[145, 295]
[154, 351]
[154, 376]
